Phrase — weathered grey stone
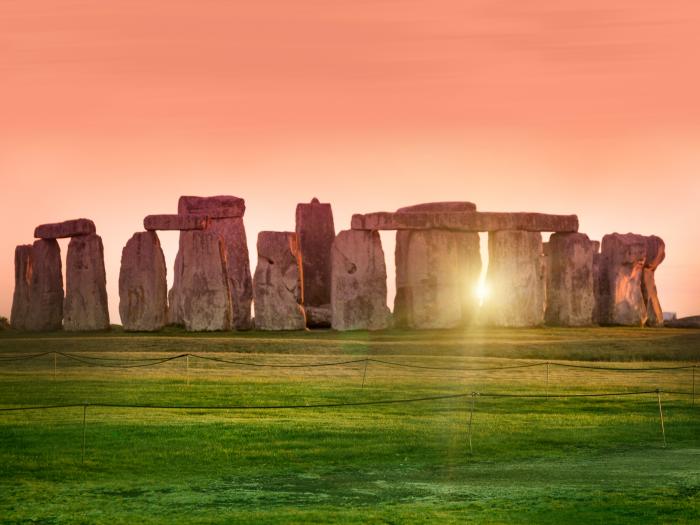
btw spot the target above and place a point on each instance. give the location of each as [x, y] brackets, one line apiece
[277, 288]
[46, 290]
[358, 282]
[444, 206]
[595, 245]
[315, 233]
[85, 306]
[318, 316]
[217, 207]
[621, 268]
[175, 222]
[570, 280]
[515, 279]
[437, 273]
[65, 229]
[23, 282]
[226, 219]
[205, 302]
[472, 221]
[656, 253]
[143, 288]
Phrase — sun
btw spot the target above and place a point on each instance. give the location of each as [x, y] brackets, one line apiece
[481, 291]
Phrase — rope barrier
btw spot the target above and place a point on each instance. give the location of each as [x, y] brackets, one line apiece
[332, 405]
[154, 361]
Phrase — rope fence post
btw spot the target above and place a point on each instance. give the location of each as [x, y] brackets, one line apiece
[471, 417]
[187, 368]
[546, 381]
[661, 416]
[364, 374]
[694, 366]
[55, 358]
[84, 430]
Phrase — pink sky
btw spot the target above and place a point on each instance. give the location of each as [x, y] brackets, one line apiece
[111, 110]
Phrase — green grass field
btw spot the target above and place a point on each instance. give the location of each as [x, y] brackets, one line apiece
[534, 460]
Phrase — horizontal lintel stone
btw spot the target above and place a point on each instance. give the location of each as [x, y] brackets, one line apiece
[465, 221]
[61, 230]
[175, 222]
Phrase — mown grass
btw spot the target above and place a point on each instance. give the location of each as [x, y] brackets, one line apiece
[534, 460]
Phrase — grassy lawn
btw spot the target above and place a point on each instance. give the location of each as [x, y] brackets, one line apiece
[534, 460]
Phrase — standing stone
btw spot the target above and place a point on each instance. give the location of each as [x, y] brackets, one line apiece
[515, 279]
[315, 233]
[622, 261]
[225, 215]
[277, 287]
[206, 300]
[437, 273]
[143, 288]
[656, 253]
[358, 282]
[85, 306]
[595, 245]
[570, 295]
[23, 282]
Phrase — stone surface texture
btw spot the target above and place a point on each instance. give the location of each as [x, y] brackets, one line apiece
[570, 280]
[85, 306]
[277, 284]
[315, 233]
[656, 253]
[471, 221]
[318, 316]
[19, 315]
[205, 300]
[515, 279]
[621, 271]
[175, 222]
[37, 303]
[216, 207]
[61, 230]
[437, 273]
[143, 288]
[358, 282]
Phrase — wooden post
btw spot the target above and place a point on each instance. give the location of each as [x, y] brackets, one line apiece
[84, 429]
[661, 416]
[54, 365]
[694, 366]
[187, 367]
[546, 384]
[471, 417]
[364, 374]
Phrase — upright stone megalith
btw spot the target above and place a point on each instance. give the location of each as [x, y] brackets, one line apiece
[437, 273]
[358, 282]
[570, 280]
[622, 261]
[143, 288]
[315, 233]
[515, 279]
[656, 253]
[85, 306]
[277, 284]
[203, 283]
[23, 282]
[225, 218]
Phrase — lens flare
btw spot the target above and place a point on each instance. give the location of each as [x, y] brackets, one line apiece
[481, 291]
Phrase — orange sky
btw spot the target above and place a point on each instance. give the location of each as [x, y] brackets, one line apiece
[111, 110]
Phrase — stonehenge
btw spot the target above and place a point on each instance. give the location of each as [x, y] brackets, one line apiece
[225, 215]
[315, 233]
[570, 280]
[277, 284]
[85, 305]
[437, 272]
[143, 288]
[205, 304]
[515, 279]
[313, 278]
[358, 283]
